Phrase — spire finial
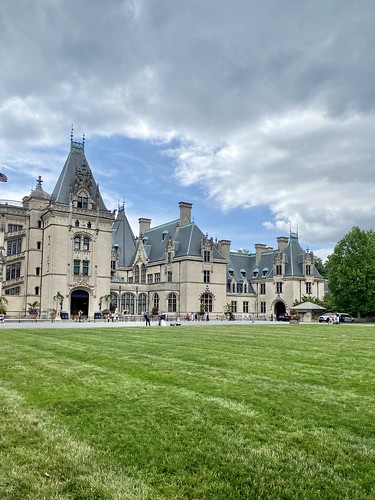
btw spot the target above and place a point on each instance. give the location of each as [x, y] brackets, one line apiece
[71, 133]
[39, 181]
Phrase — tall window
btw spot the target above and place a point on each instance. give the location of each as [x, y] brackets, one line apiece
[308, 269]
[86, 243]
[262, 307]
[14, 247]
[85, 267]
[157, 277]
[142, 303]
[206, 300]
[308, 288]
[172, 302]
[136, 274]
[245, 307]
[129, 303]
[206, 256]
[76, 267]
[38, 245]
[169, 276]
[239, 287]
[206, 276]
[150, 279]
[77, 242]
[155, 301]
[262, 288]
[13, 271]
[279, 269]
[36, 290]
[37, 271]
[279, 287]
[143, 273]
[234, 306]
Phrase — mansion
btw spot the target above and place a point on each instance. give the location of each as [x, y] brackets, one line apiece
[65, 252]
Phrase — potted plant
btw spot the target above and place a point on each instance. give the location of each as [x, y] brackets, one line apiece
[294, 318]
[33, 308]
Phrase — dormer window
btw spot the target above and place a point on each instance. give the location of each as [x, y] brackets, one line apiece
[255, 272]
[243, 273]
[82, 202]
[230, 271]
[265, 271]
[164, 235]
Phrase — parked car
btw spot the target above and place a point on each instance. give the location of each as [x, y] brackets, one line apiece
[324, 318]
[344, 318]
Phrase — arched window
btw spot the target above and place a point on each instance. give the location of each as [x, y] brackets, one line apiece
[129, 303]
[155, 302]
[143, 273]
[136, 274]
[206, 301]
[36, 290]
[86, 243]
[76, 223]
[172, 302]
[89, 225]
[77, 242]
[142, 303]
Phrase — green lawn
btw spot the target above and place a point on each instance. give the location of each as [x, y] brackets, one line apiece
[221, 412]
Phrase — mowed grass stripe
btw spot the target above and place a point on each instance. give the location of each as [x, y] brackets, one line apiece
[195, 415]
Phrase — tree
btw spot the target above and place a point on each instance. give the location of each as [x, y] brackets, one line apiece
[3, 304]
[321, 267]
[351, 272]
[308, 298]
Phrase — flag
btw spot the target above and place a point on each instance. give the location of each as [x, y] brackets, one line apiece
[3, 178]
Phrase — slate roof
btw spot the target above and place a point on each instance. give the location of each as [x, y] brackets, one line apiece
[264, 268]
[123, 239]
[75, 164]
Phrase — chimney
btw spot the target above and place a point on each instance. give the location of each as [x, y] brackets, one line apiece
[282, 242]
[259, 249]
[144, 225]
[185, 212]
[224, 249]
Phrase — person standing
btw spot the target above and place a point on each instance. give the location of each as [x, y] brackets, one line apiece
[147, 319]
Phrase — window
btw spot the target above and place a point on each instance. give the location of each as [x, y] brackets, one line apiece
[155, 301]
[85, 267]
[76, 267]
[206, 276]
[239, 287]
[37, 271]
[142, 303]
[164, 234]
[129, 303]
[262, 307]
[279, 269]
[13, 271]
[143, 273]
[76, 223]
[169, 276]
[279, 287]
[157, 277]
[38, 245]
[14, 247]
[308, 288]
[36, 290]
[245, 307]
[113, 266]
[206, 300]
[233, 287]
[308, 269]
[255, 272]
[150, 279]
[230, 271]
[172, 302]
[243, 273]
[82, 202]
[136, 274]
[13, 291]
[39, 224]
[262, 288]
[169, 257]
[86, 243]
[89, 225]
[265, 271]
[14, 227]
[77, 242]
[207, 256]
[234, 306]
[245, 288]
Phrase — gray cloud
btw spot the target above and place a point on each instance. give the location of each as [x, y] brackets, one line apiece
[268, 102]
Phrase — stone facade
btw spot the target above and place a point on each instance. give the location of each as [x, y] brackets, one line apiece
[69, 253]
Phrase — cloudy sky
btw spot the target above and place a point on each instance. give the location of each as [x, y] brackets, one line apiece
[260, 113]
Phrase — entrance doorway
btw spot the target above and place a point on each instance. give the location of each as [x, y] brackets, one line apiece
[279, 308]
[79, 302]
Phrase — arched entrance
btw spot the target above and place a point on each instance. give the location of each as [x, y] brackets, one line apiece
[279, 308]
[79, 301]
